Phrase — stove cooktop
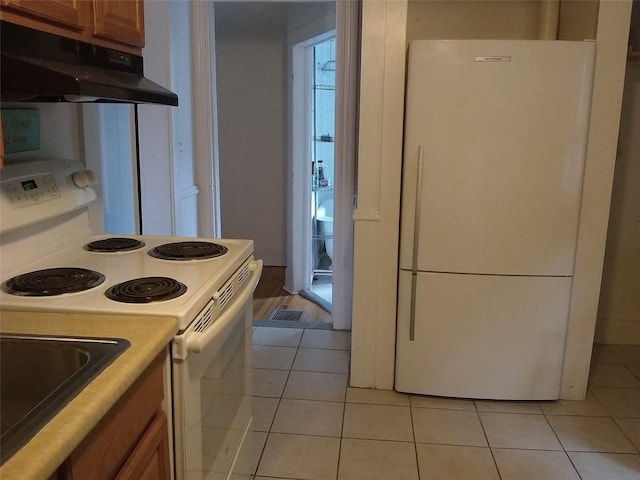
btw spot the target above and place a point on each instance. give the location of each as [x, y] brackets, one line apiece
[46, 226]
[187, 284]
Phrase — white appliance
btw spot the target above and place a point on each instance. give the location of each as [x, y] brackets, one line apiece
[494, 148]
[206, 284]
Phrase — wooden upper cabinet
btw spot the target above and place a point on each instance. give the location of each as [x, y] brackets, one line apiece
[65, 12]
[117, 24]
[120, 20]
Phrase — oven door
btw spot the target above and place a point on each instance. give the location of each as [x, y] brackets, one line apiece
[212, 389]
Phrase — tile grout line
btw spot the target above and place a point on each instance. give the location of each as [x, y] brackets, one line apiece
[625, 434]
[486, 437]
[564, 450]
[264, 447]
[415, 443]
[344, 412]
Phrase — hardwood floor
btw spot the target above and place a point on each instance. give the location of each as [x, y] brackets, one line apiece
[270, 294]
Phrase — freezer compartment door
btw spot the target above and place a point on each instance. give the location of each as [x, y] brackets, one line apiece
[503, 146]
[482, 336]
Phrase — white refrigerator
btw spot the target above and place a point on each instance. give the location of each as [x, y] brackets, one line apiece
[494, 149]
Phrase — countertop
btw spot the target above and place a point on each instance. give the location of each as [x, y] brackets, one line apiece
[39, 458]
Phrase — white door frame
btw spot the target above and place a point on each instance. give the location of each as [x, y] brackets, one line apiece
[298, 273]
[299, 259]
[205, 117]
[347, 64]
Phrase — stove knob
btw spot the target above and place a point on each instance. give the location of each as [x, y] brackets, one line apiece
[84, 178]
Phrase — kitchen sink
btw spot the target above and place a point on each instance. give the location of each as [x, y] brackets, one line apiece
[39, 375]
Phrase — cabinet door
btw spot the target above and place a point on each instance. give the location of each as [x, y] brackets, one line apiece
[65, 12]
[101, 455]
[150, 459]
[119, 20]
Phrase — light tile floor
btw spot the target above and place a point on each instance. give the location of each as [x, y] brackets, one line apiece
[309, 425]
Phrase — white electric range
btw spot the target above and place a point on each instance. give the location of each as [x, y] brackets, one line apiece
[51, 261]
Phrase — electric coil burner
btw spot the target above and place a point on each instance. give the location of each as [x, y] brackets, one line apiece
[188, 251]
[53, 281]
[114, 244]
[146, 290]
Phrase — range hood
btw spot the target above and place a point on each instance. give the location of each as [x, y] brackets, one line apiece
[42, 67]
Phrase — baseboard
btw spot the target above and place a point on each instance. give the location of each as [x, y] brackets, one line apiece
[617, 331]
[287, 324]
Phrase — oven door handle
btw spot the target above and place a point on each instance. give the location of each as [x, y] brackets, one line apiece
[196, 342]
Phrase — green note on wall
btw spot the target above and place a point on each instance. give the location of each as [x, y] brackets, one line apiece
[20, 129]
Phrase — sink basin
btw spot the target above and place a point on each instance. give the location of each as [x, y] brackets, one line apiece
[39, 375]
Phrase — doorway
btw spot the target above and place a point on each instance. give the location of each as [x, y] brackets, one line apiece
[343, 144]
[260, 142]
[319, 85]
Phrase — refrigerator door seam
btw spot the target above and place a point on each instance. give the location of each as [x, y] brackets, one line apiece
[453, 272]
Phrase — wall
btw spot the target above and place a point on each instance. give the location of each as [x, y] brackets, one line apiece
[611, 38]
[578, 19]
[252, 137]
[619, 308]
[155, 127]
[253, 41]
[184, 183]
[177, 144]
[472, 19]
[109, 145]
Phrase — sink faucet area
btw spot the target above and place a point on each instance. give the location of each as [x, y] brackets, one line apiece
[39, 375]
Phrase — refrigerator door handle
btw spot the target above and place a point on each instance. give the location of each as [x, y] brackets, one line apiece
[416, 244]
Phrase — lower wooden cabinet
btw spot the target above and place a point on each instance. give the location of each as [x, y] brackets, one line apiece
[150, 459]
[131, 441]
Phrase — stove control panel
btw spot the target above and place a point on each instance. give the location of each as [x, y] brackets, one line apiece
[32, 191]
